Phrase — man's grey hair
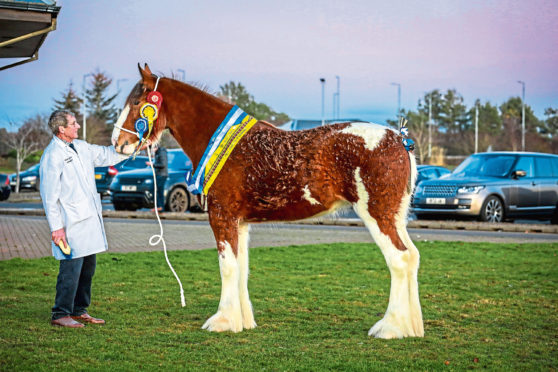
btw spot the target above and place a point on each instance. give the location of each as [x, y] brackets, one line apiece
[59, 119]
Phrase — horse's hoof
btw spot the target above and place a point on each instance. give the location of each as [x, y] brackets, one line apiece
[383, 329]
[221, 323]
[249, 324]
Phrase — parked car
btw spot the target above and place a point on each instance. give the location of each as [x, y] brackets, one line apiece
[133, 189]
[430, 172]
[105, 175]
[29, 179]
[493, 187]
[5, 188]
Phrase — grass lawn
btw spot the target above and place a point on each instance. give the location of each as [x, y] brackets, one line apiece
[485, 306]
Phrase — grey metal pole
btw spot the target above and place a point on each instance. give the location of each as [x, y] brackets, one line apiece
[398, 101]
[183, 74]
[84, 107]
[430, 127]
[118, 91]
[338, 97]
[476, 128]
[322, 80]
[522, 114]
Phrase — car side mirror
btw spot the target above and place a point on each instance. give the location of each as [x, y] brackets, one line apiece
[518, 173]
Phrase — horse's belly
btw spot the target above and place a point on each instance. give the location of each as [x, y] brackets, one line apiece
[293, 211]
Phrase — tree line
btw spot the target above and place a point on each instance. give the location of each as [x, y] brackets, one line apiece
[443, 124]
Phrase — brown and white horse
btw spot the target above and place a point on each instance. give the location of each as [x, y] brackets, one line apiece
[275, 175]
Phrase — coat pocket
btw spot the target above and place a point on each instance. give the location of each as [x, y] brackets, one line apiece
[78, 211]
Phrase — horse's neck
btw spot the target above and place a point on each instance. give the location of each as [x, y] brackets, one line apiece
[192, 117]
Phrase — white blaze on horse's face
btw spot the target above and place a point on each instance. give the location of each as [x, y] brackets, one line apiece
[371, 133]
[129, 148]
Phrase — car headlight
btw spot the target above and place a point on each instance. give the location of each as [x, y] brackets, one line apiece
[29, 178]
[469, 189]
[148, 181]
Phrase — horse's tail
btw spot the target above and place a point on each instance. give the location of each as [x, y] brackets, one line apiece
[414, 172]
[409, 145]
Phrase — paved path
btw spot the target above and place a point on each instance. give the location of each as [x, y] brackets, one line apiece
[29, 236]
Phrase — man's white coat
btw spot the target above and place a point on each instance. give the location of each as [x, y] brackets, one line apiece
[70, 197]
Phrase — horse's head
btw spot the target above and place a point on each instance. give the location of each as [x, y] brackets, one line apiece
[142, 120]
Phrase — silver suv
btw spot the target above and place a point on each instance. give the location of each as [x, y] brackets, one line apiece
[493, 187]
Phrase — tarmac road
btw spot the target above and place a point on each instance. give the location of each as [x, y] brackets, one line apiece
[28, 236]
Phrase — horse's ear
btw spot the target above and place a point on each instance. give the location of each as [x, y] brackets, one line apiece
[147, 69]
[146, 76]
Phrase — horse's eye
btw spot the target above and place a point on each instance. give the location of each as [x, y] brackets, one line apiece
[136, 103]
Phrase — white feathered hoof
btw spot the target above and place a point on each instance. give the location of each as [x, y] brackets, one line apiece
[221, 322]
[249, 323]
[384, 329]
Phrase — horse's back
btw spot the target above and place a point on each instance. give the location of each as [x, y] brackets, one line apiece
[287, 175]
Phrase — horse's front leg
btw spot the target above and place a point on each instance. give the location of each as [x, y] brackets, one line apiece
[229, 314]
[247, 312]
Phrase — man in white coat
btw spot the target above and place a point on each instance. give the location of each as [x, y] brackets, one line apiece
[73, 210]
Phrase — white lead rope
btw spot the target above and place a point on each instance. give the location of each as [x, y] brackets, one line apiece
[155, 239]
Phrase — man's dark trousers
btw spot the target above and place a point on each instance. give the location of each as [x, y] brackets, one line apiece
[73, 288]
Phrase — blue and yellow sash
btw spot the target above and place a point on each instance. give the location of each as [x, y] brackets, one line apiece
[235, 125]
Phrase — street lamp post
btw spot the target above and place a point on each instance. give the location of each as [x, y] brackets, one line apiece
[84, 106]
[183, 74]
[322, 80]
[522, 114]
[118, 84]
[338, 97]
[118, 91]
[430, 127]
[476, 127]
[398, 101]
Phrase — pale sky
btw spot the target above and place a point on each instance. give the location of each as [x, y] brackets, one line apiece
[280, 49]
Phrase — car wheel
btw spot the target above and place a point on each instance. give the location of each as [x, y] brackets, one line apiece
[178, 200]
[492, 210]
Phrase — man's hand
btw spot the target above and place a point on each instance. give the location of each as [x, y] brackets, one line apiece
[59, 235]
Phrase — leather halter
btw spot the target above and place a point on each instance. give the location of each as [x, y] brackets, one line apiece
[149, 112]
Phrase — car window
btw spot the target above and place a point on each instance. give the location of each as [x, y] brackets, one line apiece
[543, 167]
[34, 168]
[429, 174]
[485, 166]
[525, 163]
[554, 166]
[178, 160]
[3, 178]
[443, 172]
[139, 162]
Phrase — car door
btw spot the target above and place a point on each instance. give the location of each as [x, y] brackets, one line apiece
[525, 193]
[547, 184]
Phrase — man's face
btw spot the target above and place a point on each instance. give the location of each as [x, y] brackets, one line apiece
[71, 130]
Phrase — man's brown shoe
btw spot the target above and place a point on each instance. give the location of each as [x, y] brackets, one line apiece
[88, 319]
[66, 321]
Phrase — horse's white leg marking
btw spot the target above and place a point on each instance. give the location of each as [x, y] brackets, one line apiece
[246, 306]
[397, 322]
[401, 225]
[119, 123]
[308, 196]
[229, 315]
[371, 133]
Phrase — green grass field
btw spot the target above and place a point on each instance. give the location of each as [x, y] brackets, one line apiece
[485, 306]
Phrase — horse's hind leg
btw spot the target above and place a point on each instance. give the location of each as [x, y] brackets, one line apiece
[247, 313]
[403, 316]
[229, 314]
[414, 301]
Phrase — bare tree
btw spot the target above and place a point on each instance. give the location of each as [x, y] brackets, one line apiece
[32, 136]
